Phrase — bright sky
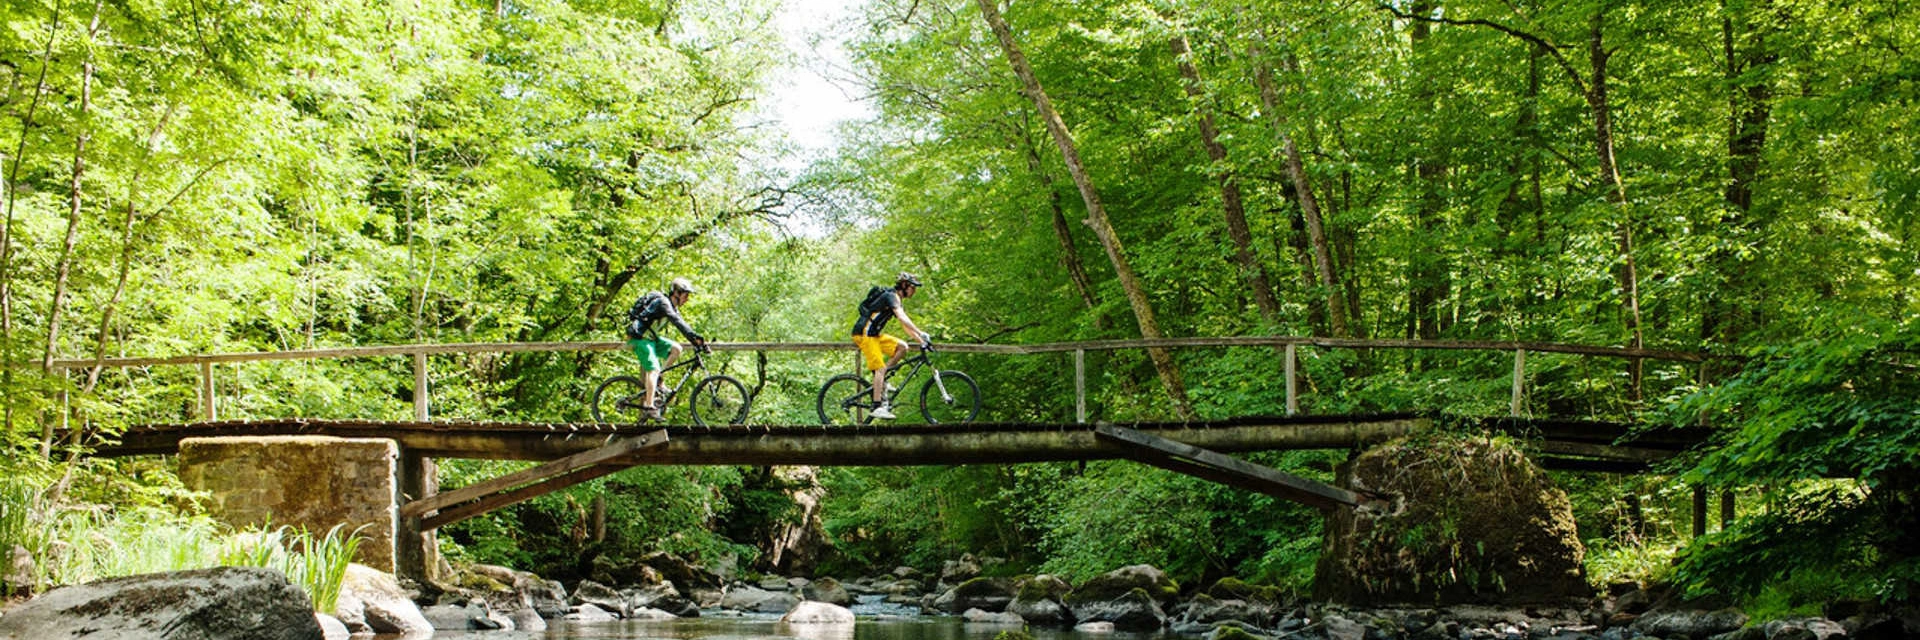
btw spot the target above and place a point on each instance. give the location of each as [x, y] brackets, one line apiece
[818, 92]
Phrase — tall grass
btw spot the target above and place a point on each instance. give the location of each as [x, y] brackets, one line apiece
[77, 543]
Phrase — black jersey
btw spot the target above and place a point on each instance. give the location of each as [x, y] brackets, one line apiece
[875, 311]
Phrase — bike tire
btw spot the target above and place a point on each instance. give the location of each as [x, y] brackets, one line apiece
[718, 400]
[844, 401]
[960, 404]
[619, 400]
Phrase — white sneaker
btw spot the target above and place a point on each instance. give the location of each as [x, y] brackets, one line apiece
[883, 412]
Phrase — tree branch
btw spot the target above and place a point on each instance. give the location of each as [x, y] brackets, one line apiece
[1573, 74]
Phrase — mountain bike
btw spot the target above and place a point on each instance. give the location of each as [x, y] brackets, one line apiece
[716, 399]
[948, 397]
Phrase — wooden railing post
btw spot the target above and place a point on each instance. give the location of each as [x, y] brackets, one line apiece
[1293, 386]
[1080, 386]
[206, 393]
[420, 386]
[1699, 510]
[1519, 381]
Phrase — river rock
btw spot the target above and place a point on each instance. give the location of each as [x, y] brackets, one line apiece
[599, 595]
[1692, 623]
[473, 616]
[211, 604]
[1204, 609]
[1116, 583]
[1489, 526]
[1037, 600]
[384, 606]
[332, 628]
[529, 620]
[1132, 611]
[690, 578]
[1804, 629]
[977, 616]
[989, 594]
[590, 613]
[827, 590]
[814, 612]
[954, 572]
[752, 599]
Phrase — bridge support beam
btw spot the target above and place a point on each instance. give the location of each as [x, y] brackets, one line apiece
[416, 550]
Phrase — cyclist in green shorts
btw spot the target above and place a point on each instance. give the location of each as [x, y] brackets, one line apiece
[881, 351]
[647, 343]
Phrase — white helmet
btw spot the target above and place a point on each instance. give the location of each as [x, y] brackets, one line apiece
[680, 285]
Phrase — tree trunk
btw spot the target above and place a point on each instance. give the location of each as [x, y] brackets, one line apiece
[1096, 214]
[6, 228]
[1627, 273]
[1231, 203]
[127, 246]
[1749, 109]
[63, 270]
[1063, 231]
[1427, 271]
[1326, 275]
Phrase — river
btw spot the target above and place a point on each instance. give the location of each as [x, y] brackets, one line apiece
[877, 621]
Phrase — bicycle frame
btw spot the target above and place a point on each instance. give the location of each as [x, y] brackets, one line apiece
[918, 361]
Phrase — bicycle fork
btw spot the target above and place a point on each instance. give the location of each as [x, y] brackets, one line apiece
[942, 386]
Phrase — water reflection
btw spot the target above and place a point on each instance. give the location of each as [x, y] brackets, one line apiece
[884, 627]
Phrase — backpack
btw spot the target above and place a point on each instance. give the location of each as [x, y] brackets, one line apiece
[641, 315]
[874, 295]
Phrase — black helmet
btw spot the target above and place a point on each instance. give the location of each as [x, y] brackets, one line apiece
[906, 279]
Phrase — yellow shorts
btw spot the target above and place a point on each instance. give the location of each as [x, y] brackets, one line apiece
[878, 348]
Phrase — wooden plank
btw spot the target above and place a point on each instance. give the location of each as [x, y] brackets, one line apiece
[455, 514]
[615, 449]
[1178, 456]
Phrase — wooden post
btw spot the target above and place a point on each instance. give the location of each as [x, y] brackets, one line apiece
[206, 393]
[1726, 508]
[420, 386]
[1519, 380]
[1699, 511]
[1080, 386]
[1293, 387]
[416, 553]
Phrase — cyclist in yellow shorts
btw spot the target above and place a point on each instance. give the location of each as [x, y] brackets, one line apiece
[881, 351]
[657, 353]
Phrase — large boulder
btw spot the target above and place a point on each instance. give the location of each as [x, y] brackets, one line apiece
[827, 590]
[1037, 600]
[987, 594]
[1469, 521]
[1135, 610]
[1119, 582]
[689, 577]
[382, 605]
[599, 595]
[811, 612]
[206, 604]
[1692, 623]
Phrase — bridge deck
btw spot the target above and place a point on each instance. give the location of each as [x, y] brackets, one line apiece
[890, 445]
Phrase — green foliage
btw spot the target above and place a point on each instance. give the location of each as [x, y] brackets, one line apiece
[1823, 541]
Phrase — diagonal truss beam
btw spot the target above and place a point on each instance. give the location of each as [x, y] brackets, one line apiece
[543, 479]
[1201, 463]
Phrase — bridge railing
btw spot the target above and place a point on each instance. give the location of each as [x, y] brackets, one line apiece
[1288, 345]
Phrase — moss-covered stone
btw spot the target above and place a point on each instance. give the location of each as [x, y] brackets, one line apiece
[1231, 632]
[1116, 583]
[1231, 588]
[1471, 520]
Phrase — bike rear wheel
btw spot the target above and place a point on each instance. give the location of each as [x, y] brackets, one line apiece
[845, 400]
[619, 400]
[960, 403]
[719, 400]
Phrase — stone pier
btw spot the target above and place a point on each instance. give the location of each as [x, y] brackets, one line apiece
[315, 482]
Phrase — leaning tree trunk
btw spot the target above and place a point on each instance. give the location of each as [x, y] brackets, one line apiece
[1096, 215]
[1062, 231]
[63, 269]
[1326, 275]
[1231, 204]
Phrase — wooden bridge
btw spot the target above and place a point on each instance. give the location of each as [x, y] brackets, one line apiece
[573, 453]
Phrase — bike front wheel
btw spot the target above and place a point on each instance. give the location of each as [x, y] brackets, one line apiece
[620, 399]
[845, 401]
[950, 397]
[719, 400]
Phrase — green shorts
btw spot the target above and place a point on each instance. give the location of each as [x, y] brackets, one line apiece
[651, 352]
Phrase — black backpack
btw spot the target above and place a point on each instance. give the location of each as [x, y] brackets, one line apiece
[641, 315]
[872, 302]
